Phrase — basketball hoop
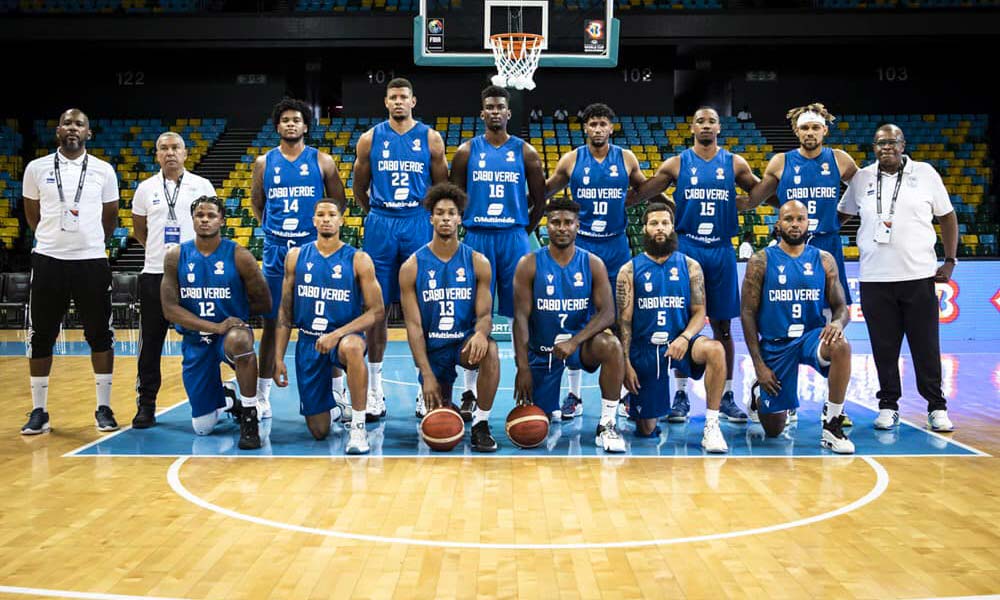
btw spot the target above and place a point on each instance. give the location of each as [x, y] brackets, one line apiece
[516, 56]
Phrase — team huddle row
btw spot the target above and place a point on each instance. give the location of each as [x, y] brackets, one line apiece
[564, 298]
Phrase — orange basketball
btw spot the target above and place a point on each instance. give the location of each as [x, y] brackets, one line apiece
[527, 426]
[442, 429]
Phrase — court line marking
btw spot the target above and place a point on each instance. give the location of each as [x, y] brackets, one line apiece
[881, 484]
[449, 456]
[7, 589]
[930, 432]
[122, 430]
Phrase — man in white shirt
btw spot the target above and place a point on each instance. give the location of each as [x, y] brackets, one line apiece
[746, 249]
[162, 218]
[71, 203]
[897, 199]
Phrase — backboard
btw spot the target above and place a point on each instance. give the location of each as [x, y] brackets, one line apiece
[456, 33]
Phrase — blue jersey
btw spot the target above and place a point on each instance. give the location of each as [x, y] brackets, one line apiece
[291, 190]
[662, 292]
[210, 287]
[600, 188]
[562, 299]
[793, 294]
[401, 168]
[496, 185]
[814, 182]
[446, 292]
[706, 199]
[327, 295]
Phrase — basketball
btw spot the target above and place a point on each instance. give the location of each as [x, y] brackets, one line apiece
[442, 429]
[527, 426]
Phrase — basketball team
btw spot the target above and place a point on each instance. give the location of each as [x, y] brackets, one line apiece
[582, 302]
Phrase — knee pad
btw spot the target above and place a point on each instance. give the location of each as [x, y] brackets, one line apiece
[204, 424]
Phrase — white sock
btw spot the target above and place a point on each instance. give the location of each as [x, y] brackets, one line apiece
[263, 389]
[103, 381]
[711, 415]
[608, 408]
[248, 401]
[471, 378]
[338, 385]
[375, 376]
[575, 377]
[480, 415]
[832, 411]
[682, 384]
[39, 392]
[358, 419]
[728, 387]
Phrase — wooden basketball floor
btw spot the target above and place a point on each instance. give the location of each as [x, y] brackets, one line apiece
[789, 524]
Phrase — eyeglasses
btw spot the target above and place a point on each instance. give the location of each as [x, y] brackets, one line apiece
[887, 143]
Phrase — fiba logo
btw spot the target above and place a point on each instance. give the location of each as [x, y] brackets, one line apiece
[435, 26]
[595, 29]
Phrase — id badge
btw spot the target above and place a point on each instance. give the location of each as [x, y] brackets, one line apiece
[883, 232]
[70, 219]
[172, 233]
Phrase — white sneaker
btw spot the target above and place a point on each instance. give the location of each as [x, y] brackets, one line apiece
[712, 440]
[938, 421]
[834, 437]
[263, 408]
[344, 408]
[887, 418]
[375, 407]
[608, 437]
[622, 409]
[421, 407]
[753, 403]
[555, 416]
[793, 416]
[358, 441]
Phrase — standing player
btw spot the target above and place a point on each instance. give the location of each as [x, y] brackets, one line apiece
[506, 186]
[707, 218]
[445, 289]
[326, 283]
[563, 304]
[661, 312]
[389, 185]
[812, 174]
[785, 290]
[287, 182]
[210, 288]
[599, 176]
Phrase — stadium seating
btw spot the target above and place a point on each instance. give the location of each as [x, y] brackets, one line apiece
[11, 169]
[109, 7]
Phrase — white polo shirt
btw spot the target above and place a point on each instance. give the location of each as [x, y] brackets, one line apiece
[910, 253]
[99, 188]
[149, 202]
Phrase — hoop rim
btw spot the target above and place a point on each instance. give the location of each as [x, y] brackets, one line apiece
[529, 39]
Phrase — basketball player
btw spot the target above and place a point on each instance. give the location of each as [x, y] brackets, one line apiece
[661, 312]
[706, 177]
[287, 182]
[812, 174]
[563, 304]
[210, 288]
[445, 289]
[599, 176]
[785, 290]
[326, 283]
[502, 174]
[389, 185]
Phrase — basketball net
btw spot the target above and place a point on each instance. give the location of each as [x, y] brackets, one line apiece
[516, 56]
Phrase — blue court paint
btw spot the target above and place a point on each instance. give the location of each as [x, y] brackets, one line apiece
[398, 436]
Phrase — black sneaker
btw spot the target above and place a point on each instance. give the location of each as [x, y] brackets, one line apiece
[482, 440]
[105, 419]
[249, 430]
[237, 405]
[38, 422]
[468, 405]
[145, 416]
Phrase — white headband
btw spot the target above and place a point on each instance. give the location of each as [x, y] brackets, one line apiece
[810, 117]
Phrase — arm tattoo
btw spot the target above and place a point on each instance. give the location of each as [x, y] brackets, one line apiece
[625, 306]
[697, 277]
[834, 291]
[753, 283]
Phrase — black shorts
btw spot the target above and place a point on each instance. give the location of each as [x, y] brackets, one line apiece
[53, 283]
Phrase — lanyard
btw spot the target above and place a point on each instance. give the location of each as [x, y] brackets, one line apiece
[895, 192]
[171, 201]
[79, 187]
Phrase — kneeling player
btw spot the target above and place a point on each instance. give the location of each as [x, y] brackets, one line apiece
[555, 288]
[325, 284]
[661, 308]
[784, 292]
[447, 304]
[210, 287]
